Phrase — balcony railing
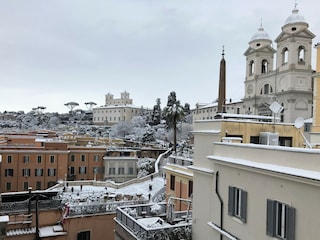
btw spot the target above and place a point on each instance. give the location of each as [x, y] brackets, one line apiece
[12, 207]
[99, 208]
[132, 216]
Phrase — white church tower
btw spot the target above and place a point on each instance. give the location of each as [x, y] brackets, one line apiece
[290, 83]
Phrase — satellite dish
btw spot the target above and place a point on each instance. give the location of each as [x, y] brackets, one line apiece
[299, 122]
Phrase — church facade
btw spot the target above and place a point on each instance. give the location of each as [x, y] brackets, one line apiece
[289, 83]
[282, 75]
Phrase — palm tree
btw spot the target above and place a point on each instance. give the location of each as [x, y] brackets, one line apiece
[173, 113]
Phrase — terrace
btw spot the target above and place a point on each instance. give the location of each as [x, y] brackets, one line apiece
[154, 221]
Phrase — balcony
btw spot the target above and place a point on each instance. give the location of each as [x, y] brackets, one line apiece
[153, 221]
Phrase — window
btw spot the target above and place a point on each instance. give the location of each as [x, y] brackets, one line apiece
[8, 186]
[190, 188]
[121, 170]
[72, 158]
[25, 185]
[237, 203]
[280, 220]
[301, 54]
[266, 89]
[26, 159]
[172, 182]
[112, 171]
[9, 159]
[96, 170]
[83, 235]
[38, 185]
[52, 159]
[251, 67]
[38, 172]
[264, 66]
[130, 170]
[72, 170]
[96, 158]
[83, 158]
[26, 172]
[82, 170]
[51, 172]
[9, 172]
[51, 183]
[282, 113]
[39, 159]
[285, 55]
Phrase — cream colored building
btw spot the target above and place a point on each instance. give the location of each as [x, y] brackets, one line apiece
[315, 132]
[179, 178]
[116, 110]
[290, 83]
[120, 164]
[239, 187]
[283, 74]
[257, 192]
[209, 111]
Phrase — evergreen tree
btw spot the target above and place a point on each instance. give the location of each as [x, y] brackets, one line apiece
[156, 114]
[173, 113]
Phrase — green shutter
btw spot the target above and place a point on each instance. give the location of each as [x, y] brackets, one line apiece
[231, 201]
[243, 206]
[271, 212]
[290, 224]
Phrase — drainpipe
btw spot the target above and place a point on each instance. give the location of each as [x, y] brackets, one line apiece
[221, 203]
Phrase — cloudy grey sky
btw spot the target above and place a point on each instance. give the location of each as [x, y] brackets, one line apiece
[54, 52]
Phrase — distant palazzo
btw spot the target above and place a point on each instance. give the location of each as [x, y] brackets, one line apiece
[116, 110]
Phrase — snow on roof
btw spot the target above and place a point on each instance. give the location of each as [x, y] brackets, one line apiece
[314, 175]
[117, 106]
[153, 222]
[167, 167]
[21, 231]
[95, 193]
[4, 219]
[207, 131]
[51, 231]
[201, 169]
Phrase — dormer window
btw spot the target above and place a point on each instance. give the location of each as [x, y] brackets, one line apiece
[264, 66]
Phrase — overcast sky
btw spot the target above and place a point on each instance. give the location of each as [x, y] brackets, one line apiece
[54, 52]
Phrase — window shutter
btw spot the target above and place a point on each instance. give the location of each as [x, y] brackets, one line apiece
[231, 201]
[244, 206]
[271, 223]
[290, 224]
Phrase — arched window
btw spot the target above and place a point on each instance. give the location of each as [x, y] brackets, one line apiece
[301, 54]
[251, 67]
[264, 66]
[266, 89]
[285, 55]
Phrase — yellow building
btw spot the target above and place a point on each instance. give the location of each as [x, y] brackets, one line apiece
[315, 133]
